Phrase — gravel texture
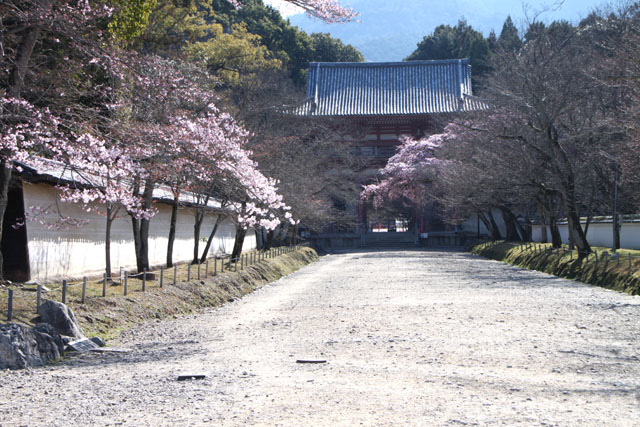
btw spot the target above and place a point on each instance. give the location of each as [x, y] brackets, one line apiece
[410, 338]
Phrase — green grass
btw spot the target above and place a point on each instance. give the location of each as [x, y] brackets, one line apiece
[604, 271]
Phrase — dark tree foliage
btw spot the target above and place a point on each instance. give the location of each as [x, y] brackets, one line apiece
[493, 41]
[460, 41]
[509, 38]
[329, 49]
[291, 45]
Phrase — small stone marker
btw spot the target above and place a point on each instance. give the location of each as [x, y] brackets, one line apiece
[82, 345]
[192, 376]
[311, 361]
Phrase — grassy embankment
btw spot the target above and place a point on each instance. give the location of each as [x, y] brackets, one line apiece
[615, 273]
[107, 316]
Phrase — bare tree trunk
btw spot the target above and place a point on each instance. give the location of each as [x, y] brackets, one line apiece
[141, 228]
[145, 223]
[568, 196]
[525, 231]
[111, 216]
[509, 220]
[200, 214]
[269, 242]
[135, 225]
[23, 56]
[556, 237]
[588, 223]
[239, 242]
[197, 225]
[485, 221]
[259, 242]
[495, 231]
[544, 238]
[219, 220]
[575, 228]
[172, 229]
[278, 237]
[283, 241]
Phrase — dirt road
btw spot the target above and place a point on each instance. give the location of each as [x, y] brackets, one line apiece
[409, 338]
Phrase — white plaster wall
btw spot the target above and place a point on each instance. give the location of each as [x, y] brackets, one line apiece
[599, 234]
[471, 224]
[77, 251]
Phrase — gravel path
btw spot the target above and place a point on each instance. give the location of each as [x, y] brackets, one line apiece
[410, 338]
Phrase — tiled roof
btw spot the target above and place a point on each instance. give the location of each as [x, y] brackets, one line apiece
[389, 88]
[57, 173]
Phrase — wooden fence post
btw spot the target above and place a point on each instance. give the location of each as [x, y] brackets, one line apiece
[175, 273]
[215, 266]
[198, 270]
[161, 276]
[126, 282]
[206, 269]
[64, 291]
[189, 272]
[10, 306]
[84, 289]
[38, 297]
[144, 280]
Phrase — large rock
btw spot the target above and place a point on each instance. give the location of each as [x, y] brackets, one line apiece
[61, 318]
[22, 347]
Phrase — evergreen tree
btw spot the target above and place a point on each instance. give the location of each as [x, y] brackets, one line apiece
[461, 41]
[509, 38]
[329, 49]
[493, 41]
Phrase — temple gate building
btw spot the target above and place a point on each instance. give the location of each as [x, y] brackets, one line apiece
[385, 101]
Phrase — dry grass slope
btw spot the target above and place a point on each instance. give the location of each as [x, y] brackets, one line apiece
[107, 316]
[607, 272]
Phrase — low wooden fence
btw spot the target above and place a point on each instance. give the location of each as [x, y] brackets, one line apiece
[122, 285]
[602, 257]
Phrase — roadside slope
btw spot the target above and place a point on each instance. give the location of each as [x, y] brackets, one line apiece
[601, 270]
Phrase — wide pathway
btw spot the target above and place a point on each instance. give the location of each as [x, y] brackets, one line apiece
[409, 338]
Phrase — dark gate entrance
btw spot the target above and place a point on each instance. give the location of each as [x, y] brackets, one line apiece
[15, 251]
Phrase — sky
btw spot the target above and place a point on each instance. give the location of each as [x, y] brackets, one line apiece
[566, 8]
[286, 9]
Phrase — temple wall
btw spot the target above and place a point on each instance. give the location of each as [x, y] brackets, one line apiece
[76, 251]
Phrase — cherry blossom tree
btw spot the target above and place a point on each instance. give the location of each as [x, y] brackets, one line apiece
[101, 175]
[54, 32]
[409, 173]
